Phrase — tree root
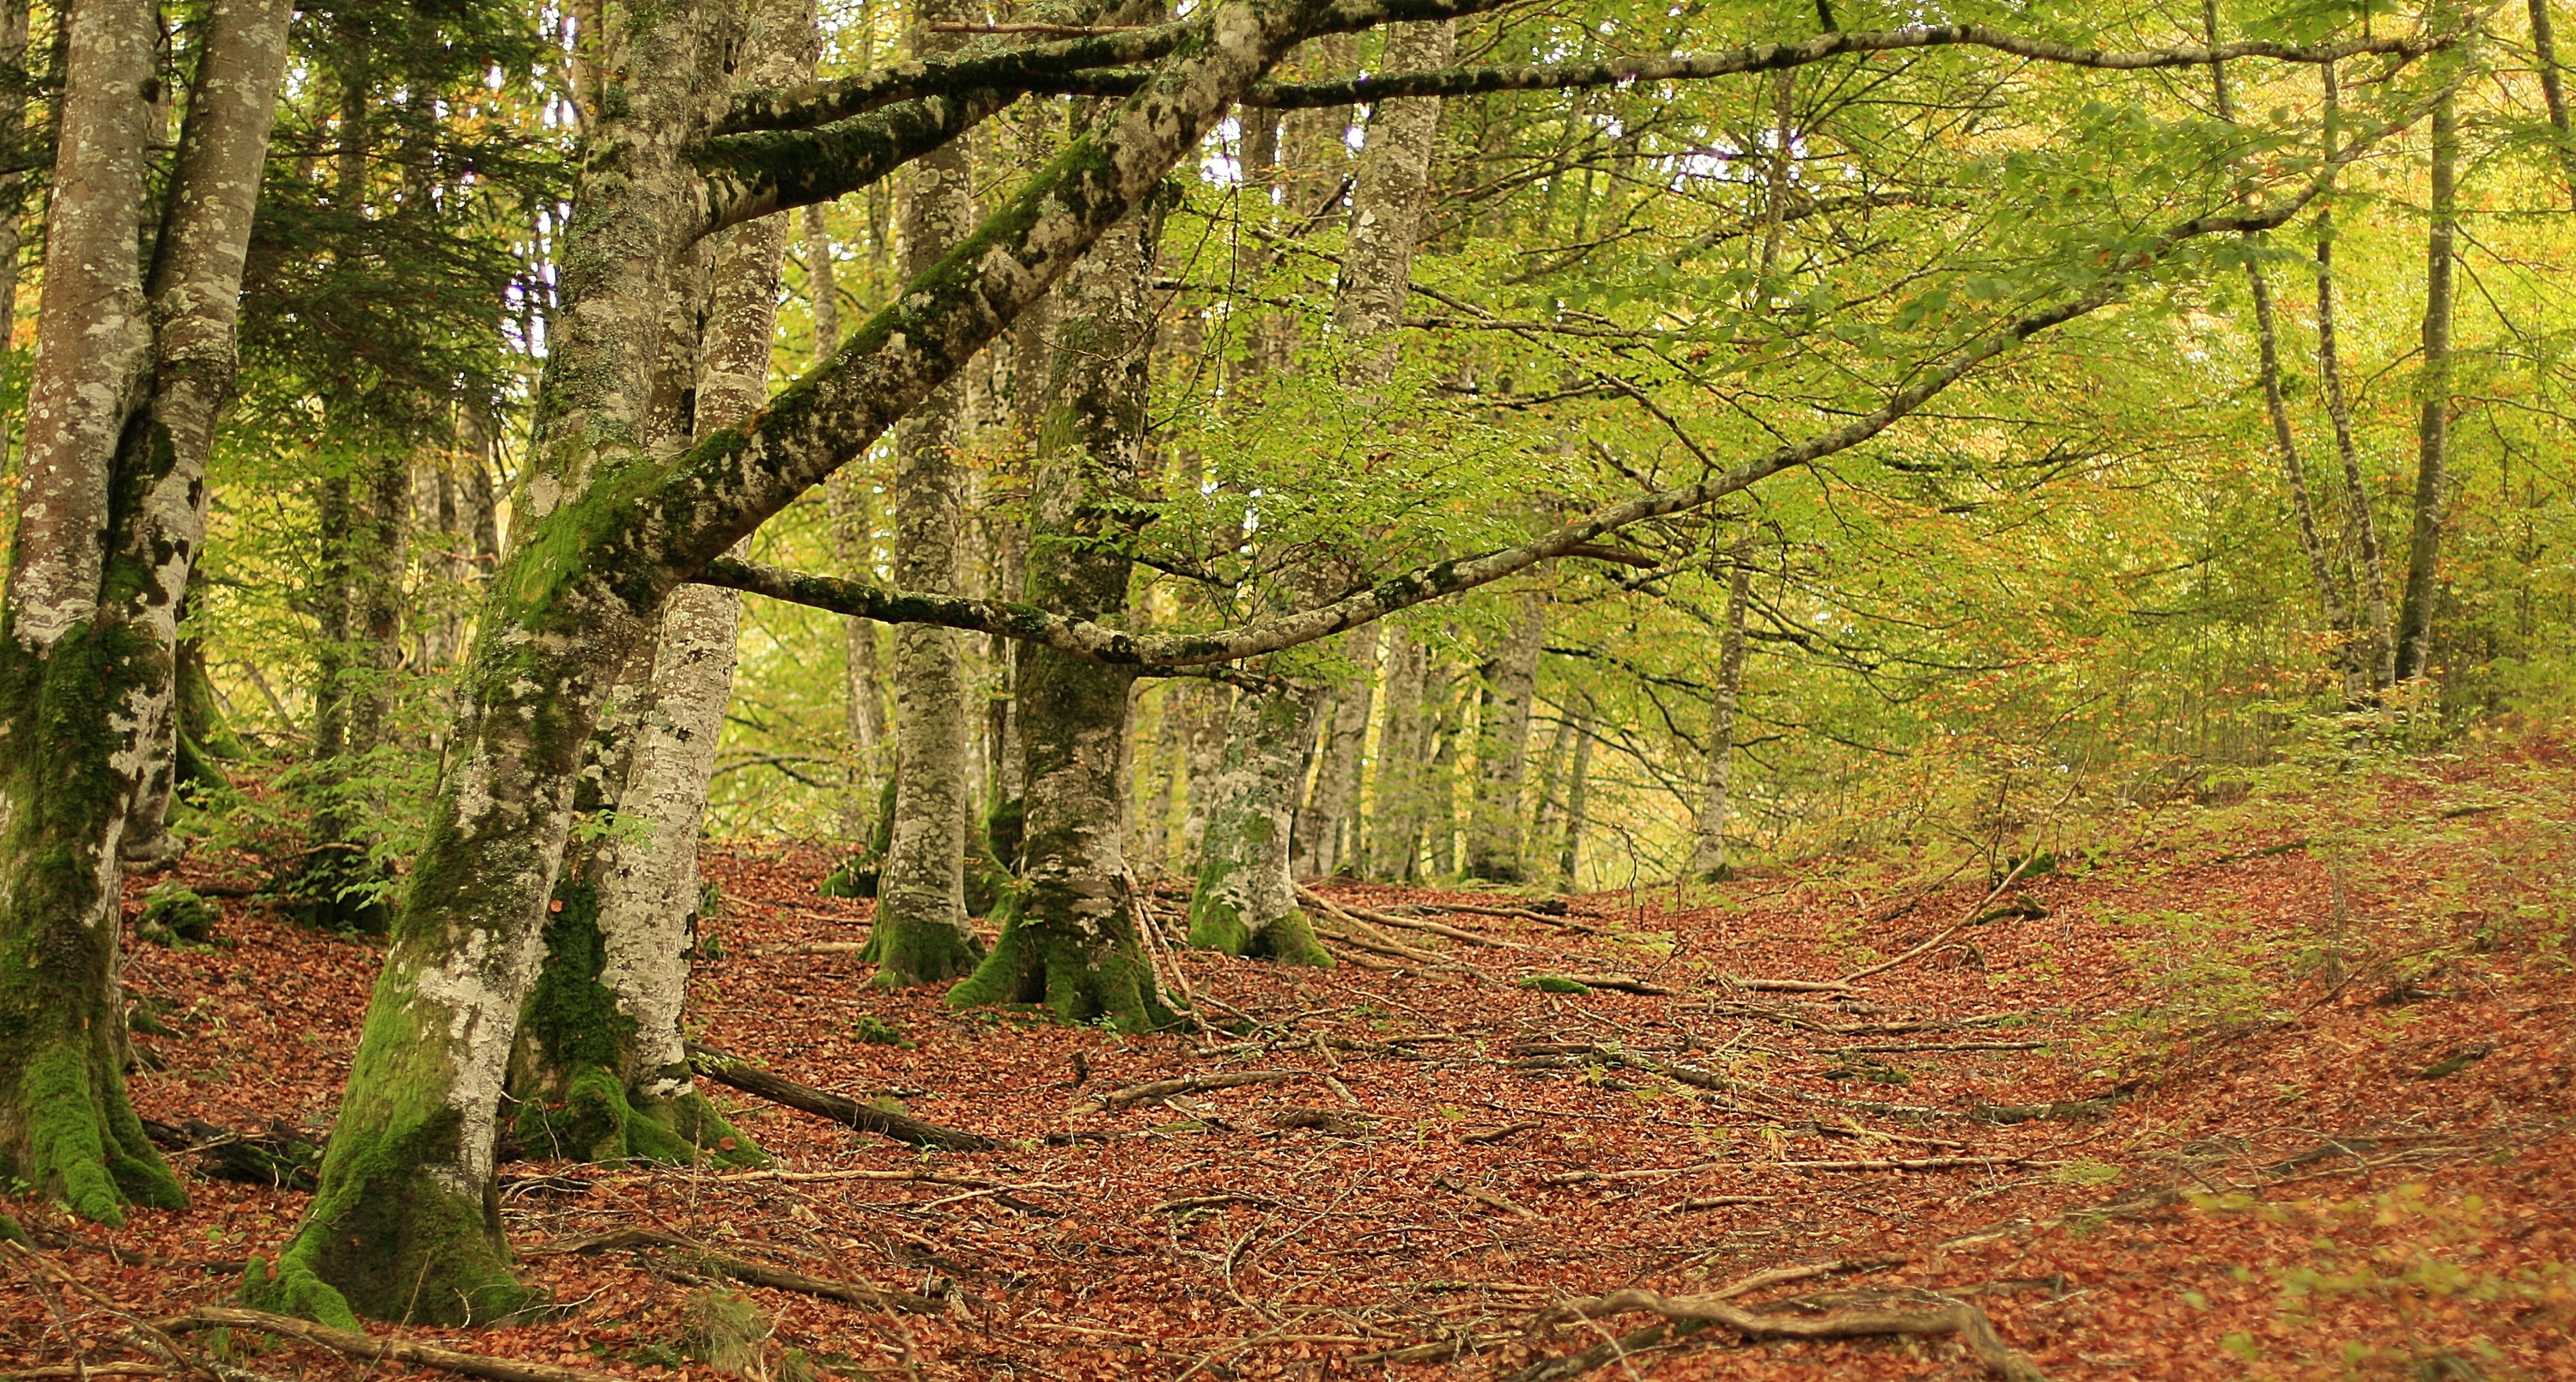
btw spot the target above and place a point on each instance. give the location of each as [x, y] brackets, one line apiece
[739, 1074]
[750, 1273]
[1688, 1315]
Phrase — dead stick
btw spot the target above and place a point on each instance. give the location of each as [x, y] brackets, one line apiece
[1186, 1084]
[755, 1273]
[1964, 923]
[358, 1345]
[778, 1089]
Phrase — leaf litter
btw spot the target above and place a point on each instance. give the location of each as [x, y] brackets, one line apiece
[2281, 1091]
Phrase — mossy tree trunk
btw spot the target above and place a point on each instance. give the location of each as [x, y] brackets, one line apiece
[1245, 902]
[406, 1220]
[601, 1072]
[131, 375]
[921, 935]
[1068, 937]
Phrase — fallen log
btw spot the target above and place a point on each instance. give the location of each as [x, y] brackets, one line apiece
[737, 1073]
[379, 1348]
[748, 1272]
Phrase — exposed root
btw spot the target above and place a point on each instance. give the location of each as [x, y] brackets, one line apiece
[358, 1345]
[1186, 1084]
[1687, 1315]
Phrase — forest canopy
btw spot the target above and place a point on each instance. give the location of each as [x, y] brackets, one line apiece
[1066, 462]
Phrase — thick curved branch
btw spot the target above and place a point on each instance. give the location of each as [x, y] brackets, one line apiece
[1022, 68]
[751, 175]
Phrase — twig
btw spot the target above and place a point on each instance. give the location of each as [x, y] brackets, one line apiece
[1975, 914]
[1483, 1196]
[1405, 923]
[1492, 1135]
[902, 1127]
[1929, 1163]
[755, 1273]
[1157, 956]
[1186, 1084]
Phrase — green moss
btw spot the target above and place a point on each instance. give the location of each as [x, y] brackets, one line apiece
[87, 1149]
[387, 1241]
[599, 1120]
[172, 912]
[1554, 983]
[9, 1230]
[876, 1031]
[1078, 982]
[1217, 924]
[571, 1019]
[908, 955]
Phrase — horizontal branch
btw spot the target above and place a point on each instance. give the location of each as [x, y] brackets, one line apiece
[1120, 647]
[1003, 69]
[752, 175]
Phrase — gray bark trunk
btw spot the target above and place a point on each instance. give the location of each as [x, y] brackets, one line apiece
[1395, 797]
[922, 934]
[1245, 902]
[1205, 711]
[1569, 850]
[2553, 89]
[2433, 395]
[1708, 860]
[1502, 749]
[88, 649]
[1331, 814]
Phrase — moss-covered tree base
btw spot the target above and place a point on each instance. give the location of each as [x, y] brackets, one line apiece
[600, 1120]
[85, 1147]
[1077, 977]
[909, 955]
[1289, 939]
[400, 1243]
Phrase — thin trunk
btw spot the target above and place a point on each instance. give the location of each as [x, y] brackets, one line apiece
[89, 645]
[1070, 939]
[1395, 803]
[13, 134]
[2553, 89]
[1149, 834]
[1551, 780]
[2376, 651]
[1569, 850]
[1502, 749]
[2433, 395]
[2294, 466]
[1708, 860]
[853, 511]
[1335, 801]
[1446, 725]
[921, 934]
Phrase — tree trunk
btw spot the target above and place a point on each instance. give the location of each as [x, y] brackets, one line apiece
[853, 511]
[13, 133]
[1332, 809]
[1396, 826]
[2433, 395]
[1569, 850]
[921, 935]
[1708, 860]
[1245, 902]
[1205, 710]
[2553, 89]
[1502, 750]
[2375, 650]
[1445, 725]
[88, 649]
[1069, 936]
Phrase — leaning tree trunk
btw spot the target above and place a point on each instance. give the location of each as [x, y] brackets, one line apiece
[406, 1220]
[129, 379]
[601, 1072]
[1708, 859]
[1069, 933]
[1502, 750]
[1246, 900]
[921, 934]
[2433, 395]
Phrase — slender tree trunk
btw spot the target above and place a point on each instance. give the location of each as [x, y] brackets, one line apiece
[1396, 824]
[2294, 467]
[1708, 860]
[1502, 749]
[2553, 89]
[1246, 901]
[13, 133]
[1446, 725]
[1149, 834]
[853, 511]
[1070, 939]
[2433, 394]
[1569, 850]
[1336, 798]
[2377, 650]
[922, 935]
[88, 647]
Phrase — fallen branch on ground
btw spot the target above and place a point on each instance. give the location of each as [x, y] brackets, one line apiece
[1524, 913]
[750, 1273]
[1929, 1163]
[736, 1073]
[809, 948]
[1186, 1084]
[1483, 1196]
[1975, 914]
[1405, 923]
[358, 1345]
[1788, 985]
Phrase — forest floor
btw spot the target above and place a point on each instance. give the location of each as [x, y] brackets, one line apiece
[2276, 1089]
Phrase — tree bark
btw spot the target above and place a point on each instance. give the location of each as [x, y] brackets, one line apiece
[1069, 935]
[2433, 397]
[853, 511]
[1395, 827]
[2553, 89]
[1324, 828]
[1708, 859]
[921, 934]
[1502, 749]
[88, 650]
[1245, 902]
[1569, 851]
